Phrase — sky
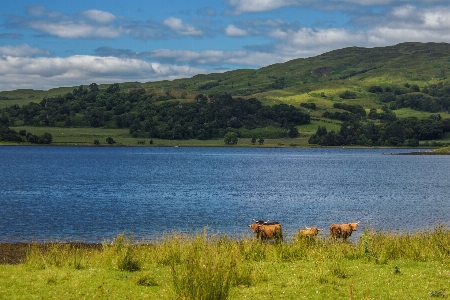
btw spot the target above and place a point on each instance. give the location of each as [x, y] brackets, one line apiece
[53, 43]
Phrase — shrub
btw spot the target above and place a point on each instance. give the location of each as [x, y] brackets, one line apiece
[348, 95]
[121, 254]
[208, 269]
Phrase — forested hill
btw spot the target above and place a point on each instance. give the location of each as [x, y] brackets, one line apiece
[394, 95]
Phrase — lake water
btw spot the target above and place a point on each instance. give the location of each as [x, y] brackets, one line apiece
[94, 193]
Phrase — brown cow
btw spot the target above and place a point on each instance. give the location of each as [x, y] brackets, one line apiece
[267, 230]
[343, 231]
[308, 232]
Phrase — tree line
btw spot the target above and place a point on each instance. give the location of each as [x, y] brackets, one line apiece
[390, 132]
[155, 116]
[431, 98]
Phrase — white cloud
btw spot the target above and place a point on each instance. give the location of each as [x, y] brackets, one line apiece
[232, 30]
[254, 6]
[22, 51]
[99, 16]
[177, 25]
[243, 6]
[216, 57]
[45, 73]
[71, 29]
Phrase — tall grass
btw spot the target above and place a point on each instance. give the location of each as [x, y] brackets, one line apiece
[45, 256]
[205, 266]
[121, 253]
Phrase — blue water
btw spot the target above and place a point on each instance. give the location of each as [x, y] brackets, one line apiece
[94, 193]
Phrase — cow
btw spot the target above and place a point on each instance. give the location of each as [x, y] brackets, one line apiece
[343, 231]
[309, 232]
[267, 230]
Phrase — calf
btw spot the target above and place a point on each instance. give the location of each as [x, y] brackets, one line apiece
[310, 232]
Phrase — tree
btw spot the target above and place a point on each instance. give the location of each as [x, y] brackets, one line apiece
[375, 89]
[373, 114]
[93, 87]
[261, 141]
[253, 140]
[46, 138]
[348, 95]
[110, 140]
[231, 138]
[293, 132]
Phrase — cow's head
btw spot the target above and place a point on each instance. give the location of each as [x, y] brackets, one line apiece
[254, 227]
[354, 225]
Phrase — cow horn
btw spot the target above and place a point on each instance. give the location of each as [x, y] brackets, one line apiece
[307, 227]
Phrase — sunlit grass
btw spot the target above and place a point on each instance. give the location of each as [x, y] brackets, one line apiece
[380, 265]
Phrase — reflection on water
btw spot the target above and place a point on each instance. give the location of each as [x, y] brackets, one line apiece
[94, 193]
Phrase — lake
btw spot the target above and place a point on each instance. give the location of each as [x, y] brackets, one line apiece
[92, 194]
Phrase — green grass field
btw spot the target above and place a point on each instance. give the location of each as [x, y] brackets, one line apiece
[380, 265]
[86, 137]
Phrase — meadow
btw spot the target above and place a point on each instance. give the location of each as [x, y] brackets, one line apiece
[86, 137]
[379, 265]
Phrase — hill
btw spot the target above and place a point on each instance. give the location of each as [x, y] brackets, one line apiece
[406, 80]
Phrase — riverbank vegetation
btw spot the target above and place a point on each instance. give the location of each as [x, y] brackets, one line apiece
[379, 265]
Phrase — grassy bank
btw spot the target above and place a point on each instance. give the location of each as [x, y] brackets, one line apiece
[380, 265]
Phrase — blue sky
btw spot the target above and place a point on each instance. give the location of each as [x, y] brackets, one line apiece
[46, 44]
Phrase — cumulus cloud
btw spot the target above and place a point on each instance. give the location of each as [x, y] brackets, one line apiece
[23, 51]
[398, 24]
[83, 25]
[177, 25]
[99, 16]
[71, 29]
[45, 73]
[232, 30]
[244, 6]
[205, 58]
[254, 6]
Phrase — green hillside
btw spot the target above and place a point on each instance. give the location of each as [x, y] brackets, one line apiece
[353, 68]
[408, 80]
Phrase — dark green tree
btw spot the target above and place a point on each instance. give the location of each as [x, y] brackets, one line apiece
[231, 138]
[293, 132]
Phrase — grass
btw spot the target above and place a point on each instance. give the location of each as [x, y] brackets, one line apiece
[86, 137]
[380, 265]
